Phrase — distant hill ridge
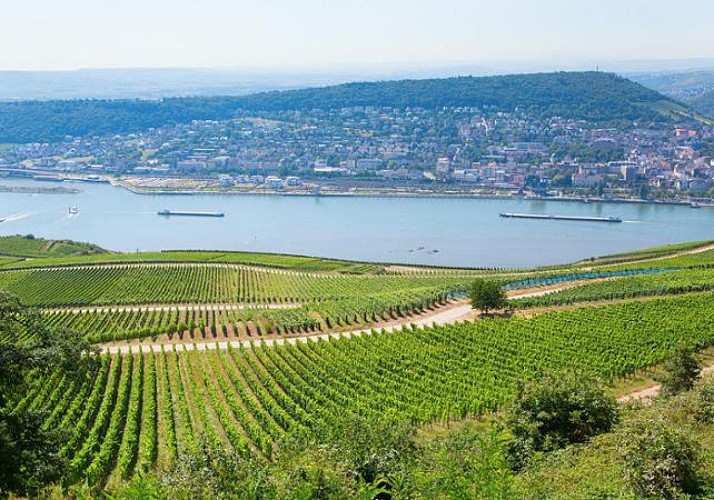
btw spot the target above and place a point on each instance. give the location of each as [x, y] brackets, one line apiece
[594, 96]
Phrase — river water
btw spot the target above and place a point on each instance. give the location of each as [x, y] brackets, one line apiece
[438, 231]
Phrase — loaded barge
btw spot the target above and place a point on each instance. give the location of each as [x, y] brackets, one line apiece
[561, 217]
[190, 214]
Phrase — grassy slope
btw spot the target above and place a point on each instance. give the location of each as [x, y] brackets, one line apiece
[595, 470]
[22, 246]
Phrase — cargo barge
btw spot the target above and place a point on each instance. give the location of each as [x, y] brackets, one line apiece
[561, 217]
[185, 213]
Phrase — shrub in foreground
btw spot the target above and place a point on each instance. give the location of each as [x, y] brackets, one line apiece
[559, 410]
[660, 459]
[682, 370]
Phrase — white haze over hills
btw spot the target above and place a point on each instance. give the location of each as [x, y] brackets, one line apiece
[155, 83]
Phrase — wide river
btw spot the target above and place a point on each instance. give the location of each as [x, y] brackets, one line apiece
[440, 231]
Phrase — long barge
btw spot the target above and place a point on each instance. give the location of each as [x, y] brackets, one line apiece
[560, 217]
[185, 213]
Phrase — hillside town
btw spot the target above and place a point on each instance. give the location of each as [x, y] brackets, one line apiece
[372, 150]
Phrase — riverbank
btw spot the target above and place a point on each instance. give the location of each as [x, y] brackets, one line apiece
[397, 192]
[38, 190]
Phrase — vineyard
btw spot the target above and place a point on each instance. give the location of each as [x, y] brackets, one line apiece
[229, 322]
[188, 283]
[278, 261]
[648, 253]
[138, 412]
[206, 302]
[666, 283]
[699, 259]
[187, 302]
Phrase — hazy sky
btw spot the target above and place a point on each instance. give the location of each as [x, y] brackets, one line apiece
[69, 34]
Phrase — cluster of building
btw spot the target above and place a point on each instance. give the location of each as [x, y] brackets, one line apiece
[450, 146]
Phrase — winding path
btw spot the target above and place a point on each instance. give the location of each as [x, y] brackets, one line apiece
[651, 392]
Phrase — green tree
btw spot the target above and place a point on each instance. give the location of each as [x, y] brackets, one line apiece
[28, 453]
[558, 410]
[487, 295]
[644, 191]
[681, 371]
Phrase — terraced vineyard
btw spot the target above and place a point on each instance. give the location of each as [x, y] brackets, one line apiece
[137, 412]
[189, 283]
[217, 301]
[230, 321]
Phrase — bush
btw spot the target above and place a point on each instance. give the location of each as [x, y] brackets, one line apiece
[559, 410]
[372, 449]
[470, 463]
[681, 372]
[660, 459]
[297, 471]
[703, 405]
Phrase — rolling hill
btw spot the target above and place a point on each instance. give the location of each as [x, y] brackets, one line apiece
[598, 97]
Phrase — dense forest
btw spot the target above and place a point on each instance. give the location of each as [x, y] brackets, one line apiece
[593, 96]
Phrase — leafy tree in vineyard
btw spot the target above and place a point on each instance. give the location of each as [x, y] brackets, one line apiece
[487, 295]
[28, 453]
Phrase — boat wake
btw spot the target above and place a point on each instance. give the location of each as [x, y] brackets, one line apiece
[17, 216]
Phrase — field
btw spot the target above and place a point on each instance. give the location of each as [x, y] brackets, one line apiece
[144, 410]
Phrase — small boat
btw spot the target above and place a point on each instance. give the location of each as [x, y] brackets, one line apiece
[73, 210]
[694, 204]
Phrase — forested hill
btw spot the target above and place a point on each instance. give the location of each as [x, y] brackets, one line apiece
[594, 96]
[591, 95]
[704, 104]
